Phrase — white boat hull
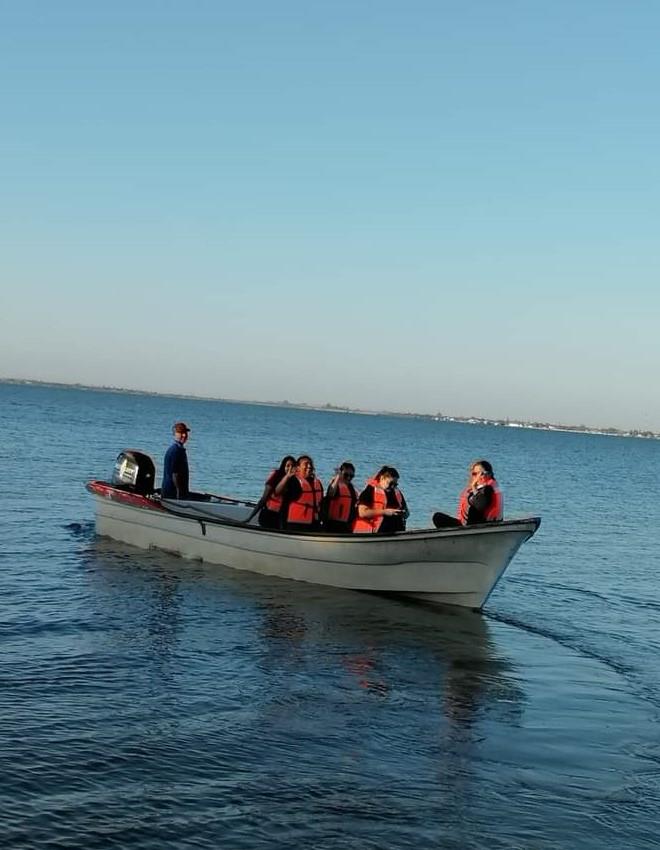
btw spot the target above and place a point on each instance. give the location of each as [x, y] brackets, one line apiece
[458, 566]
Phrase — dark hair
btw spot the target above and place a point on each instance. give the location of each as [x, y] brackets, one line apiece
[280, 472]
[347, 465]
[387, 470]
[485, 465]
[304, 457]
[285, 460]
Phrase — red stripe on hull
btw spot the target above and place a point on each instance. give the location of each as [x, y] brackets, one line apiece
[107, 491]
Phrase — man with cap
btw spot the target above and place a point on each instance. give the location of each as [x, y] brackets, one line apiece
[175, 465]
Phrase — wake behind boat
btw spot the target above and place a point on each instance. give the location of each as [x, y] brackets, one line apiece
[454, 566]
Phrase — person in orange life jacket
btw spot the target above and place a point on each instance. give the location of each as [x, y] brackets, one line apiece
[302, 494]
[481, 501]
[269, 505]
[339, 505]
[381, 506]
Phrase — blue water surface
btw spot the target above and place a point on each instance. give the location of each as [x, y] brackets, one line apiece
[149, 702]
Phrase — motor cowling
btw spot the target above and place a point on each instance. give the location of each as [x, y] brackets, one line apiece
[134, 471]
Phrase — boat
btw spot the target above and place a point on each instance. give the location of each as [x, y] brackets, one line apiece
[452, 566]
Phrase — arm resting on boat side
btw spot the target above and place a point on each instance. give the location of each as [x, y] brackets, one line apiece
[265, 496]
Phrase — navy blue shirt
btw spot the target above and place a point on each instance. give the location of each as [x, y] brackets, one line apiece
[176, 462]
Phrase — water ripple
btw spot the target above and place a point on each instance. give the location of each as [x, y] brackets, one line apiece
[149, 702]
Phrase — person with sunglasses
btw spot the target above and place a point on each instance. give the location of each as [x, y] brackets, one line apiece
[339, 505]
[480, 501]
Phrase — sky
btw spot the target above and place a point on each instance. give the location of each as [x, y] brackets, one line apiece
[447, 206]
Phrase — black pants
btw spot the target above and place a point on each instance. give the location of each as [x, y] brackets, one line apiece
[334, 526]
[269, 519]
[441, 520]
[301, 526]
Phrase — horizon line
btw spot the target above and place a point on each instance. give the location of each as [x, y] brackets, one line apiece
[328, 407]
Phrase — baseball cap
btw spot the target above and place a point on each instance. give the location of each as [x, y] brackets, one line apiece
[180, 428]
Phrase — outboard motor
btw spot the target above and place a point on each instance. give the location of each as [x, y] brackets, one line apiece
[134, 471]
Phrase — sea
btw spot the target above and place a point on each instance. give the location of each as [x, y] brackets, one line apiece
[149, 702]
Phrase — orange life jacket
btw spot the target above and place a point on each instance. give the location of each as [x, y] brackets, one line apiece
[340, 506]
[494, 511]
[306, 508]
[364, 525]
[273, 502]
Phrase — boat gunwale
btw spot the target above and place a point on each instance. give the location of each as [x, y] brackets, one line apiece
[104, 490]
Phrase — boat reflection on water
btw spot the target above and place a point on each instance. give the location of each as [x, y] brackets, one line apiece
[356, 641]
[365, 668]
[374, 639]
[358, 705]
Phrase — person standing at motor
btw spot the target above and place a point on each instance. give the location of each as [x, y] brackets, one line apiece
[340, 503]
[176, 476]
[302, 494]
[480, 501]
[382, 508]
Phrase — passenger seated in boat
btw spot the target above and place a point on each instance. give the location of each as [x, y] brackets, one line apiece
[269, 506]
[302, 495]
[340, 503]
[381, 506]
[481, 501]
[175, 466]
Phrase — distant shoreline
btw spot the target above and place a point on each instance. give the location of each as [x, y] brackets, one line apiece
[332, 408]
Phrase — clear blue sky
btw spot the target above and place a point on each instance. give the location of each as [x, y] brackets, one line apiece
[423, 206]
